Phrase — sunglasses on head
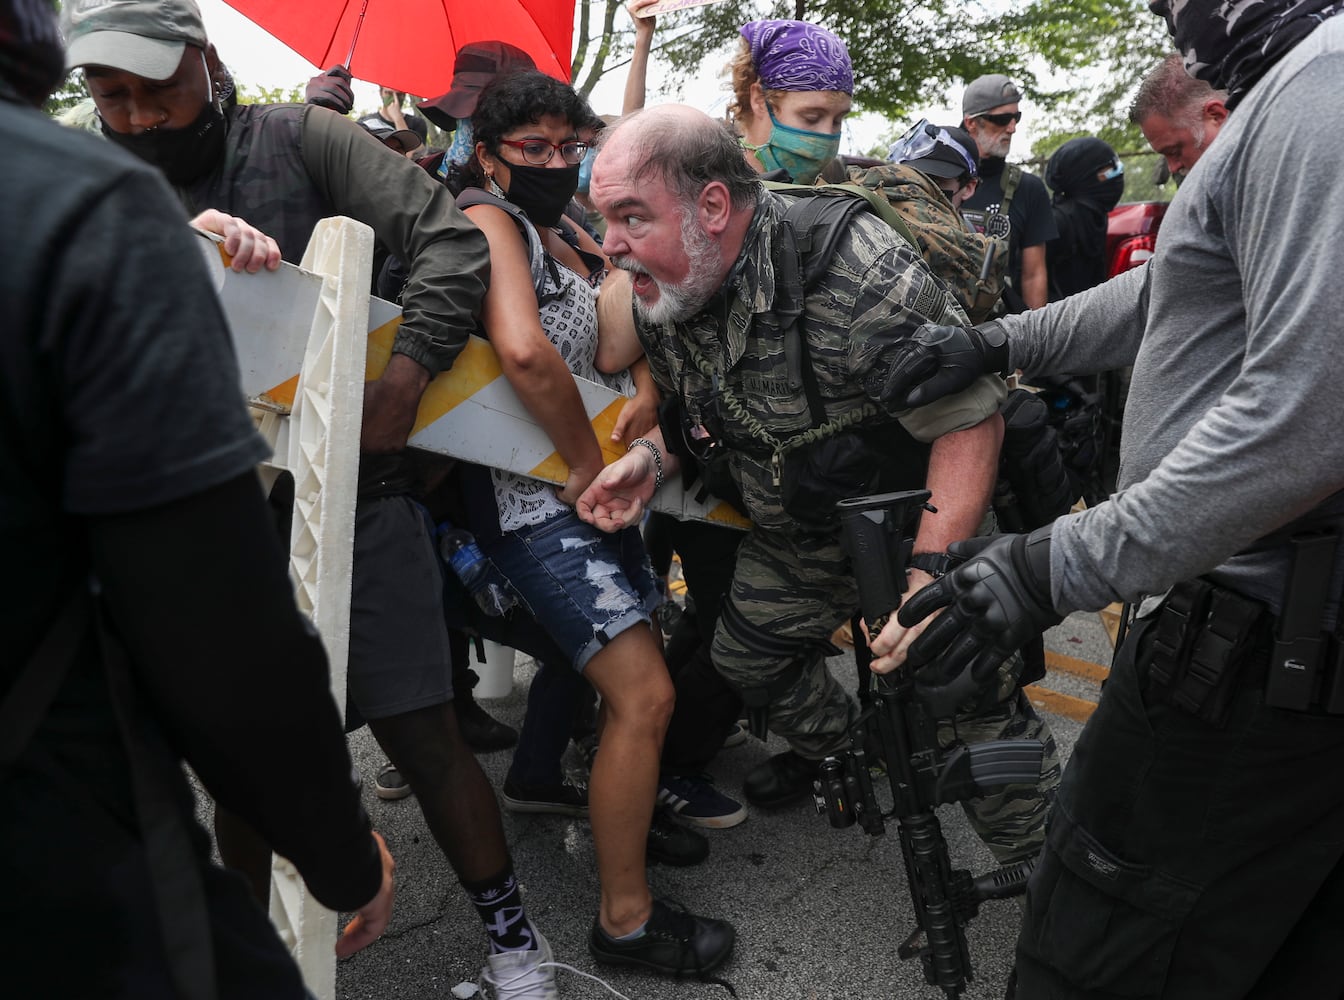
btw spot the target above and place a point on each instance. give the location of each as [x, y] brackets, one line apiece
[1003, 119]
[922, 139]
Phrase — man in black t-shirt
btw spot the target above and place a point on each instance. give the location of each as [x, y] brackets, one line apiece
[155, 78]
[990, 113]
[126, 455]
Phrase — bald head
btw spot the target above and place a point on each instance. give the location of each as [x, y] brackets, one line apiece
[682, 147]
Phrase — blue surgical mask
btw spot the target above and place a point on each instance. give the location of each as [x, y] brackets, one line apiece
[463, 147]
[797, 151]
[586, 169]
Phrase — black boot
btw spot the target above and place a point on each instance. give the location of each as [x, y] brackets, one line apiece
[480, 729]
[784, 778]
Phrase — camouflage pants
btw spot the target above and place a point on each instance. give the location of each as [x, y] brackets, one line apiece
[796, 592]
[1010, 821]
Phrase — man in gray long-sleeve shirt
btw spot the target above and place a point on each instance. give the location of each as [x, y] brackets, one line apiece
[1195, 848]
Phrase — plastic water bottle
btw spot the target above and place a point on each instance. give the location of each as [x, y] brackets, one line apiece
[477, 572]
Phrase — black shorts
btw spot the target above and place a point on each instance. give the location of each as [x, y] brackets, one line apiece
[399, 657]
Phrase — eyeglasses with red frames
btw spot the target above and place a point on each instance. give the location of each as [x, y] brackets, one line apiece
[1002, 120]
[538, 152]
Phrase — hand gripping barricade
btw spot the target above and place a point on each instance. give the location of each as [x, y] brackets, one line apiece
[307, 339]
[878, 534]
[314, 327]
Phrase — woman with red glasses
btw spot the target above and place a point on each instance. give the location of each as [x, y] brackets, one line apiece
[593, 593]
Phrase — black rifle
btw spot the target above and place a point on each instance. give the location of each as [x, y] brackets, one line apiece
[878, 532]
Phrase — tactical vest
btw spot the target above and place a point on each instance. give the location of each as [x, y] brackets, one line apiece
[814, 459]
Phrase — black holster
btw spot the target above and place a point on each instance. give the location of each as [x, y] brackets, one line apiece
[1205, 637]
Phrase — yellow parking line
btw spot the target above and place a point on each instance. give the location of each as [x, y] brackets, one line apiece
[1085, 669]
[1077, 709]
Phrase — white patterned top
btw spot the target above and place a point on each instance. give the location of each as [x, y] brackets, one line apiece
[569, 318]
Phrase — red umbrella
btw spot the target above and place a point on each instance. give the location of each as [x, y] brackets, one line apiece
[409, 45]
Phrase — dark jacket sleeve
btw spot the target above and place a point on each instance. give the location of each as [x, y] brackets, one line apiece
[157, 454]
[415, 217]
[197, 591]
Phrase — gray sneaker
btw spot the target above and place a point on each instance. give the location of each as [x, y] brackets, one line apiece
[520, 975]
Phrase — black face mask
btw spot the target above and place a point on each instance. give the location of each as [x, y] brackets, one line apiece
[183, 154]
[542, 192]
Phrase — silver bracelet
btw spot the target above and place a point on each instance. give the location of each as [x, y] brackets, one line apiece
[657, 459]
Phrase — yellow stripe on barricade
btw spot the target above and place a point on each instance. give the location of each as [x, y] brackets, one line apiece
[282, 395]
[554, 469]
[469, 412]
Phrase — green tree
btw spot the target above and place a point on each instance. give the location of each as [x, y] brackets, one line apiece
[72, 90]
[907, 53]
[248, 94]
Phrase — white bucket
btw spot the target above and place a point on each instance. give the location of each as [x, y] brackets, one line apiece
[496, 672]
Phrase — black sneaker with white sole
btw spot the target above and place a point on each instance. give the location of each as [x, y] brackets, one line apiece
[390, 785]
[569, 798]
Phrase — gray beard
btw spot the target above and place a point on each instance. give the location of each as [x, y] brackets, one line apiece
[686, 298]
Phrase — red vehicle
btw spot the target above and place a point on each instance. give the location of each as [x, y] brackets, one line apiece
[1131, 235]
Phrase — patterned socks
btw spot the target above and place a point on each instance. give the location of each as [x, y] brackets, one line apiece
[500, 904]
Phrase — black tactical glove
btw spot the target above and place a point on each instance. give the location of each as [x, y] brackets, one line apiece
[996, 600]
[331, 90]
[940, 360]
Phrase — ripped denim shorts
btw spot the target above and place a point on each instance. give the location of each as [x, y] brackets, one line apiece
[584, 586]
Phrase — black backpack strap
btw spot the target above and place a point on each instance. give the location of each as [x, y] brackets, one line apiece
[479, 196]
[1012, 177]
[170, 856]
[811, 229]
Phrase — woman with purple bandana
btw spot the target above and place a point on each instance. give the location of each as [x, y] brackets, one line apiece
[792, 86]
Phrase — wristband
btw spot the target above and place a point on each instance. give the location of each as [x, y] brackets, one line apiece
[657, 459]
[936, 564]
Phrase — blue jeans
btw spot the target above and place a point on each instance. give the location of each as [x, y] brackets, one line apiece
[583, 586]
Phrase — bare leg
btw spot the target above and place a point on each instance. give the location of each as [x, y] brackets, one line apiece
[454, 794]
[637, 698]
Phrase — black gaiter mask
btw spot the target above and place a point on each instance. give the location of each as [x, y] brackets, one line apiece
[1230, 44]
[183, 154]
[542, 192]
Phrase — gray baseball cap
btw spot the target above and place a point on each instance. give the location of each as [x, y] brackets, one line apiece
[144, 37]
[985, 93]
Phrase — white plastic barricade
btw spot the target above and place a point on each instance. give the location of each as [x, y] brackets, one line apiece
[315, 325]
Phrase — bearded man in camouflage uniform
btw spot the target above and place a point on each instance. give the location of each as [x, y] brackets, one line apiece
[694, 227]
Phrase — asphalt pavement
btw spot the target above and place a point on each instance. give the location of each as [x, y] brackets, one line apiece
[819, 912]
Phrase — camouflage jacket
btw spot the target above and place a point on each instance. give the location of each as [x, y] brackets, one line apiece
[731, 373]
[954, 251]
[286, 166]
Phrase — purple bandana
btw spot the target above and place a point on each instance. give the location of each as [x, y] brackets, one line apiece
[795, 55]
